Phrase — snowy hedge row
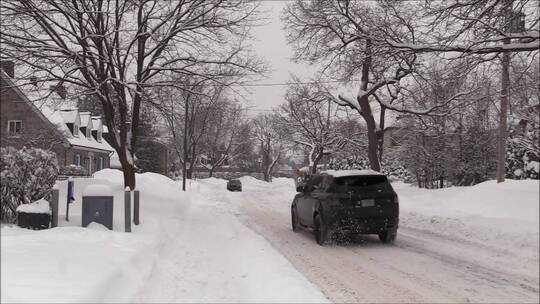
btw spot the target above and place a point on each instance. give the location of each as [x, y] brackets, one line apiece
[391, 168]
[523, 154]
[26, 175]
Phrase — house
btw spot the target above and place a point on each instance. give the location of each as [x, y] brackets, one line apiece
[33, 115]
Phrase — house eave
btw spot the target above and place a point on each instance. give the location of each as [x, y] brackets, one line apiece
[91, 149]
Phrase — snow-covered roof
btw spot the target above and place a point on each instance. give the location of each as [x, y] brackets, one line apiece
[69, 116]
[85, 118]
[57, 119]
[341, 173]
[59, 112]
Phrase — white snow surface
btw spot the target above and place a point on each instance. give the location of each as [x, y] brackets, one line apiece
[187, 248]
[39, 206]
[97, 190]
[211, 245]
[341, 173]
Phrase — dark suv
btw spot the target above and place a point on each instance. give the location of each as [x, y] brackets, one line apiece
[355, 201]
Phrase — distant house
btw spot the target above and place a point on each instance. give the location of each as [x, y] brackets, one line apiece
[34, 116]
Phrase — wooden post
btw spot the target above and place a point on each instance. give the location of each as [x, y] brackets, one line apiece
[127, 210]
[69, 197]
[136, 208]
[54, 207]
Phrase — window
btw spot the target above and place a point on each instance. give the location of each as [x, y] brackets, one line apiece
[100, 163]
[77, 159]
[88, 132]
[14, 127]
[76, 130]
[99, 136]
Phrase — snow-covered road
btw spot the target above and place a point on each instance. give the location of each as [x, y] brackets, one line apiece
[422, 266]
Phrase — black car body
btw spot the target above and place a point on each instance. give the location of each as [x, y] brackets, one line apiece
[234, 185]
[355, 201]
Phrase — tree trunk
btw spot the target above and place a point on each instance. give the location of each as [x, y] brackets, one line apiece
[211, 172]
[372, 136]
[380, 134]
[316, 160]
[266, 176]
[129, 171]
[366, 111]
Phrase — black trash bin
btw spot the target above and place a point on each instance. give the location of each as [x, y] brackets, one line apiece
[97, 206]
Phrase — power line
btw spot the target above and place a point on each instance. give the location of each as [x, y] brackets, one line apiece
[275, 84]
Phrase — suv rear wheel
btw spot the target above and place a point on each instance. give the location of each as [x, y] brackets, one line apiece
[294, 220]
[388, 236]
[320, 230]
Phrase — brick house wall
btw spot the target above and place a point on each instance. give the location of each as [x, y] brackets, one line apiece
[85, 157]
[35, 131]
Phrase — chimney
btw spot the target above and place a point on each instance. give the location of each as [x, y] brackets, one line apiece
[9, 67]
[33, 80]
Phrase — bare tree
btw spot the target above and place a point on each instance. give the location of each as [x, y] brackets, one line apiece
[222, 141]
[310, 116]
[117, 49]
[485, 28]
[187, 114]
[270, 135]
[348, 38]
[382, 41]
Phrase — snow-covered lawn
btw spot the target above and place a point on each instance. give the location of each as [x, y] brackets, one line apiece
[197, 247]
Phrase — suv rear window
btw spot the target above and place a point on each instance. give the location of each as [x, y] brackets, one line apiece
[347, 184]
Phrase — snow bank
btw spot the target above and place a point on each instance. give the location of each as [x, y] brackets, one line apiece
[513, 199]
[72, 264]
[252, 181]
[503, 216]
[39, 206]
[97, 190]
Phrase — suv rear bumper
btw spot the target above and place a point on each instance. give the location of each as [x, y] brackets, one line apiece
[367, 225]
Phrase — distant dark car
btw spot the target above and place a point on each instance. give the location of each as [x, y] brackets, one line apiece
[354, 201]
[234, 185]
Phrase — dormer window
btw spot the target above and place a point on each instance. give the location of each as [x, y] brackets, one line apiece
[88, 133]
[76, 130]
[99, 136]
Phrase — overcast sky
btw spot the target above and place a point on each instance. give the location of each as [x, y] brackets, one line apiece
[272, 46]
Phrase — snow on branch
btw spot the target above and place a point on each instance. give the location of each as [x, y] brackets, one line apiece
[500, 48]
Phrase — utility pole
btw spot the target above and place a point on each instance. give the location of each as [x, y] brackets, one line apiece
[505, 82]
[514, 22]
[184, 166]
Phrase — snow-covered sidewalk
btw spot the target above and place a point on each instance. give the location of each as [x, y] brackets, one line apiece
[215, 258]
[187, 248]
